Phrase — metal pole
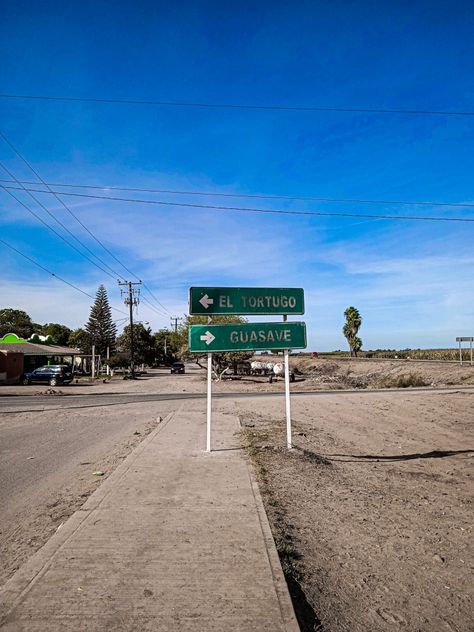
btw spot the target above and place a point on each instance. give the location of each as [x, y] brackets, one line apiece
[209, 401]
[460, 353]
[209, 397]
[93, 361]
[287, 395]
[471, 350]
[108, 359]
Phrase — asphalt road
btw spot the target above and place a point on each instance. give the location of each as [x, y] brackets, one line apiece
[38, 403]
[47, 463]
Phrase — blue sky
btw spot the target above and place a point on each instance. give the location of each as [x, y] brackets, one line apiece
[412, 281]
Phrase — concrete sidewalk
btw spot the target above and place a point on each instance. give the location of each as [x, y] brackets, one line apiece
[174, 539]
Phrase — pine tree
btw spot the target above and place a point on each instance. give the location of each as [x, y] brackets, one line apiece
[101, 331]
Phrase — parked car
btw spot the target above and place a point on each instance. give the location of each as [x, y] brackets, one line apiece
[177, 367]
[52, 374]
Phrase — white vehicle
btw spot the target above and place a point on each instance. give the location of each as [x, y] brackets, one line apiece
[272, 369]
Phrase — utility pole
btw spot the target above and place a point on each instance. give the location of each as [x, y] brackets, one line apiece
[175, 319]
[132, 298]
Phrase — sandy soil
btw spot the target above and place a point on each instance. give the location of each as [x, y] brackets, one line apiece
[372, 511]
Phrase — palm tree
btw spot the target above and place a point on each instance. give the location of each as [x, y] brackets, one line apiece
[350, 329]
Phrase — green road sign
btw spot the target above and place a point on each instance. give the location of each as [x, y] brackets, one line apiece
[246, 300]
[248, 337]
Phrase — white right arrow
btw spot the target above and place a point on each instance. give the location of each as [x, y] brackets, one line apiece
[208, 337]
[206, 301]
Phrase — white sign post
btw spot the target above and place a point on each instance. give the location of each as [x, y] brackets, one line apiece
[209, 396]
[287, 395]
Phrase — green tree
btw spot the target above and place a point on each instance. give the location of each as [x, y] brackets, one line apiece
[167, 344]
[144, 344]
[78, 340]
[100, 329]
[15, 321]
[59, 333]
[220, 360]
[351, 328]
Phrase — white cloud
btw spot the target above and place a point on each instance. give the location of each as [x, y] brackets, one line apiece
[409, 285]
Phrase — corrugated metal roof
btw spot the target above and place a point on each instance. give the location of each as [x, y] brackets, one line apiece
[32, 349]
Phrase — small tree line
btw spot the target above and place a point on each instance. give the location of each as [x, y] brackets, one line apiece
[101, 331]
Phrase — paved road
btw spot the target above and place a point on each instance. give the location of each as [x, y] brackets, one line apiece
[47, 464]
[34, 403]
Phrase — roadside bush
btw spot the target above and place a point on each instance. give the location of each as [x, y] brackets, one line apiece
[403, 381]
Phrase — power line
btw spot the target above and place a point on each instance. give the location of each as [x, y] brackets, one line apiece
[259, 196]
[241, 106]
[153, 308]
[10, 144]
[53, 230]
[262, 210]
[53, 273]
[23, 188]
[154, 297]
[115, 273]
[17, 152]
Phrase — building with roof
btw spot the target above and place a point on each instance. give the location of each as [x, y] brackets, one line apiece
[18, 355]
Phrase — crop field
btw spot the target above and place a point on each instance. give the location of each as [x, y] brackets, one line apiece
[451, 355]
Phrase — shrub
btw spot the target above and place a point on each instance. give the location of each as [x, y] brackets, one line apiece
[403, 381]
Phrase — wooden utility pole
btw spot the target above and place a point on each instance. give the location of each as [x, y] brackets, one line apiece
[175, 319]
[132, 298]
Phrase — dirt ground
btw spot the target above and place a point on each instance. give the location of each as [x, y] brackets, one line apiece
[311, 374]
[327, 374]
[372, 510]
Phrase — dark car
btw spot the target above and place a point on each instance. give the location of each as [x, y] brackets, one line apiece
[177, 367]
[52, 374]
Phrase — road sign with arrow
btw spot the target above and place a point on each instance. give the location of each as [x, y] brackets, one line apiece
[250, 336]
[211, 338]
[245, 300]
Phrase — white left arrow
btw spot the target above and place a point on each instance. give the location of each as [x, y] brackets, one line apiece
[208, 337]
[206, 301]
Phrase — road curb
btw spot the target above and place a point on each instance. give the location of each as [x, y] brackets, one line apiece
[279, 581]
